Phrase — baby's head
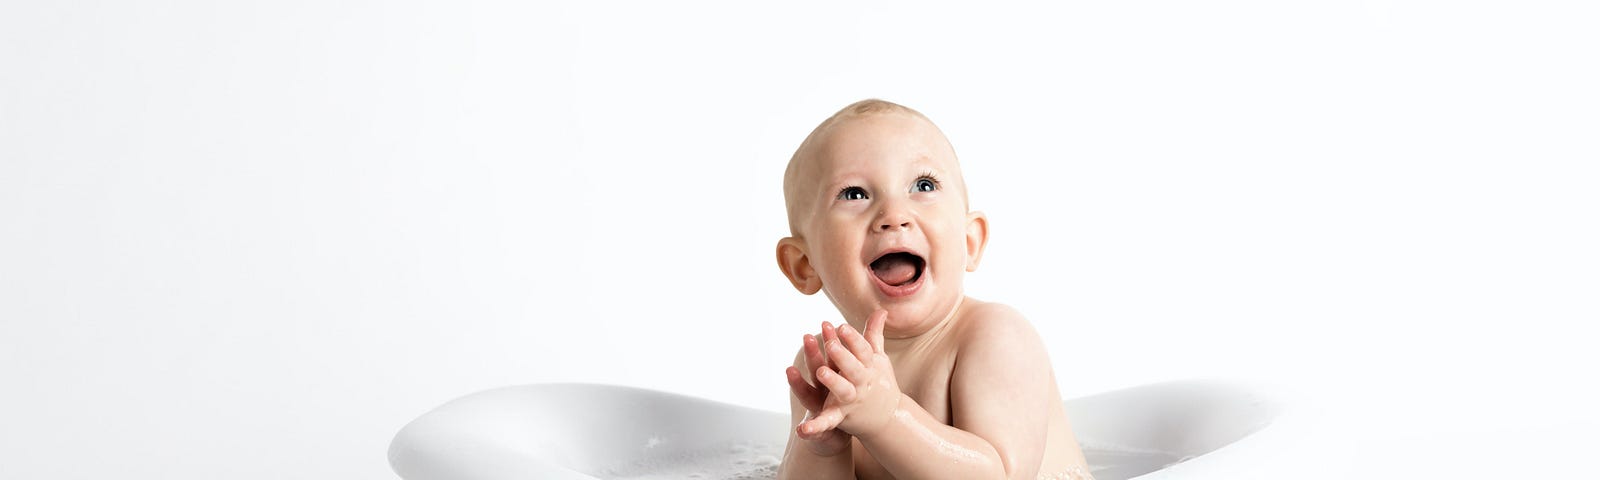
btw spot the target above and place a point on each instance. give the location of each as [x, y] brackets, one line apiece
[878, 217]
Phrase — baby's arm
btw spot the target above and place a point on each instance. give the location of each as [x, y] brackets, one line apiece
[824, 454]
[999, 396]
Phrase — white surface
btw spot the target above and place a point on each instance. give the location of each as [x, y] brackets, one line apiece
[586, 431]
[251, 240]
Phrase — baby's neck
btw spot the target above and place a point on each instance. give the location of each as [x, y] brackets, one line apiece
[922, 340]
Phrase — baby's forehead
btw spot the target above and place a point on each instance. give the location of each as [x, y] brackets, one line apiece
[875, 139]
[856, 142]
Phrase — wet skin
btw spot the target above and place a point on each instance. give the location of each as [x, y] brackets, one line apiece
[922, 381]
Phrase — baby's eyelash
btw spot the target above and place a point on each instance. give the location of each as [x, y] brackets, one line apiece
[929, 175]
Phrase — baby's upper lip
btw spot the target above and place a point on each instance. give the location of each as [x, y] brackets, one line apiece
[894, 249]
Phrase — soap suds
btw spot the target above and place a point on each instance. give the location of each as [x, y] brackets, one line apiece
[733, 461]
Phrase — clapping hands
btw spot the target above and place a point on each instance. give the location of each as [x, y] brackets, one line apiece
[856, 393]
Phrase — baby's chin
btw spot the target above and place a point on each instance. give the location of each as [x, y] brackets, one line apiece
[915, 316]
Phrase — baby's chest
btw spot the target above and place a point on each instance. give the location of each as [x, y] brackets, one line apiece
[928, 382]
[933, 397]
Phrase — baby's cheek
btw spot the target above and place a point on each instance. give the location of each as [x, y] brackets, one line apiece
[953, 256]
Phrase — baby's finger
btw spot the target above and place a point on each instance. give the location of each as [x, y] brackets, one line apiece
[814, 355]
[827, 420]
[838, 386]
[856, 343]
[809, 396]
[845, 361]
[828, 335]
[875, 329]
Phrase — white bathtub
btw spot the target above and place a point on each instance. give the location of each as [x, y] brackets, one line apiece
[581, 431]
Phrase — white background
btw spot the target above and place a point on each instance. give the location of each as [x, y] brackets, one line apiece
[250, 240]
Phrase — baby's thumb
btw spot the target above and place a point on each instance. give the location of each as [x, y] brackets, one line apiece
[875, 329]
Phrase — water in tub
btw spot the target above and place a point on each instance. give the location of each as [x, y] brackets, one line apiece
[745, 460]
[741, 460]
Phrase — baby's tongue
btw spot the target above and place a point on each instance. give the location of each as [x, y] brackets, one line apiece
[894, 269]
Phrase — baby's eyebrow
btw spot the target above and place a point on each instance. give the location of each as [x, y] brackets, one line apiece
[926, 163]
[844, 180]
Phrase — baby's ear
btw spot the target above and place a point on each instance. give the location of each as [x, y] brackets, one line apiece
[977, 238]
[796, 265]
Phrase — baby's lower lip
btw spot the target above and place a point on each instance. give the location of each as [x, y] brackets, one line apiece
[893, 291]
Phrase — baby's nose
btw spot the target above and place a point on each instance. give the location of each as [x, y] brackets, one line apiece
[892, 222]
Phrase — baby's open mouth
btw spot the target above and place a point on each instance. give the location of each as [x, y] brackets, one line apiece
[898, 268]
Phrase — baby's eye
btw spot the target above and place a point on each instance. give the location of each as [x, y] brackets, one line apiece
[925, 184]
[852, 193]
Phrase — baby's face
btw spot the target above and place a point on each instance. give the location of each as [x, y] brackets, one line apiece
[886, 223]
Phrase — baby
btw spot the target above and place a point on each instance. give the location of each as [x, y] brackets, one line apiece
[922, 382]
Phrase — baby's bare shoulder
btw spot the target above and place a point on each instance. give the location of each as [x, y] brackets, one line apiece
[985, 324]
[1001, 364]
[994, 338]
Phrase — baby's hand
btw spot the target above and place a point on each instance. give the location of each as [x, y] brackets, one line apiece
[827, 442]
[863, 394]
